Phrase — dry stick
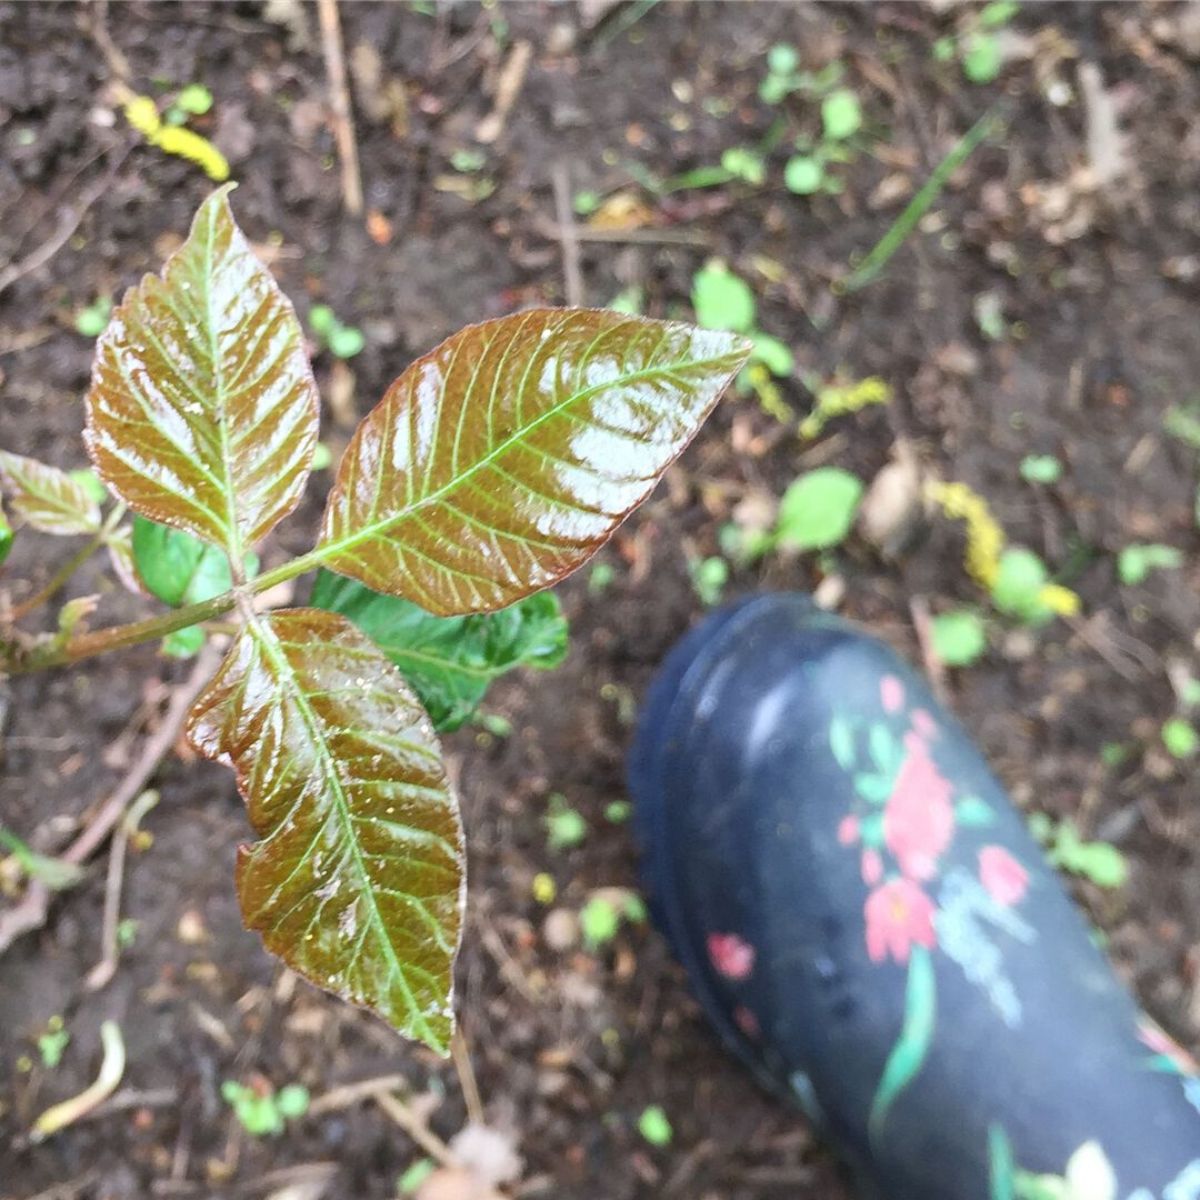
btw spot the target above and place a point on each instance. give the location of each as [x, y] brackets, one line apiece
[416, 1128]
[567, 236]
[508, 88]
[30, 914]
[339, 99]
[934, 667]
[44, 253]
[349, 1094]
[106, 968]
[650, 237]
[461, 1054]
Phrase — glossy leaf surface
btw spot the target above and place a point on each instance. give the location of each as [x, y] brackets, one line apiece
[450, 660]
[47, 498]
[356, 880]
[502, 460]
[202, 410]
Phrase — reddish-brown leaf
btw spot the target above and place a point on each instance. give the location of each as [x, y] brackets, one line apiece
[47, 498]
[202, 410]
[501, 461]
[357, 880]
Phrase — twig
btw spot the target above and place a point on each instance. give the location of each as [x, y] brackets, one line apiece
[461, 1054]
[416, 1128]
[30, 913]
[508, 88]
[650, 237]
[349, 1094]
[118, 64]
[104, 970]
[339, 99]
[64, 573]
[567, 236]
[44, 253]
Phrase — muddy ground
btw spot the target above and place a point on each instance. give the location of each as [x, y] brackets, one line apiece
[1078, 225]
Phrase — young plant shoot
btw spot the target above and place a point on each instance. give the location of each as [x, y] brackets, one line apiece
[494, 466]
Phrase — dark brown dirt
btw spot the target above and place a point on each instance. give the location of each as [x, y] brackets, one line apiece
[570, 1047]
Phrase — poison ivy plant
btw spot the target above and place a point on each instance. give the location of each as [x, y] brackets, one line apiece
[494, 466]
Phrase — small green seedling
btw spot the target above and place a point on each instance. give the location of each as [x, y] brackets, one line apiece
[959, 637]
[1019, 586]
[977, 46]
[601, 917]
[807, 172]
[1041, 468]
[724, 301]
[455, 507]
[52, 1042]
[194, 100]
[709, 577]
[265, 1112]
[745, 164]
[53, 873]
[92, 321]
[342, 341]
[784, 76]
[1134, 563]
[618, 811]
[655, 1127]
[601, 578]
[565, 826]
[468, 159]
[1180, 738]
[1099, 862]
[817, 511]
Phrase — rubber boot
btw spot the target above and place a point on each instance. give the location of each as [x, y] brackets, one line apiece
[871, 928]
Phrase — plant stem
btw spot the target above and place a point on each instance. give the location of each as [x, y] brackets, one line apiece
[59, 578]
[117, 637]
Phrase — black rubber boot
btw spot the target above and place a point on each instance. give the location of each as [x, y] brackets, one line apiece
[871, 928]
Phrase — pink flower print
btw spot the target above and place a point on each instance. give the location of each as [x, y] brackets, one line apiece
[847, 832]
[1004, 877]
[899, 915]
[730, 955]
[918, 821]
[1161, 1043]
[924, 725]
[872, 867]
[891, 692]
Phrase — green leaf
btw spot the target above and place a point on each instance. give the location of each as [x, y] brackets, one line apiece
[709, 577]
[356, 881]
[450, 661]
[93, 320]
[184, 643]
[47, 498]
[6, 536]
[345, 341]
[782, 59]
[744, 164]
[505, 458]
[565, 826]
[818, 509]
[1134, 563]
[177, 567]
[908, 1054]
[803, 175]
[841, 115]
[723, 301]
[415, 1175]
[195, 99]
[321, 320]
[1019, 582]
[982, 59]
[1180, 738]
[1041, 468]
[998, 13]
[202, 410]
[292, 1100]
[1100, 862]
[772, 353]
[959, 637]
[655, 1127]
[599, 920]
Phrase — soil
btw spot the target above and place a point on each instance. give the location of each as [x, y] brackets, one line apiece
[1094, 281]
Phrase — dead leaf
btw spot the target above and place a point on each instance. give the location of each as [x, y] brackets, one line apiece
[1107, 146]
[489, 1154]
[455, 1183]
[891, 508]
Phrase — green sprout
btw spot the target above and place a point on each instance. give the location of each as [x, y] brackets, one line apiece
[601, 917]
[263, 1113]
[52, 1042]
[1135, 562]
[1180, 738]
[959, 637]
[1041, 468]
[817, 511]
[1099, 862]
[655, 1127]
[565, 826]
[92, 321]
[342, 341]
[709, 577]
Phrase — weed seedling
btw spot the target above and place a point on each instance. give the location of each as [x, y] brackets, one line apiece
[565, 826]
[1180, 738]
[959, 637]
[92, 320]
[494, 466]
[1100, 862]
[52, 1042]
[1041, 468]
[1135, 563]
[262, 1112]
[655, 1127]
[709, 577]
[977, 46]
[342, 341]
